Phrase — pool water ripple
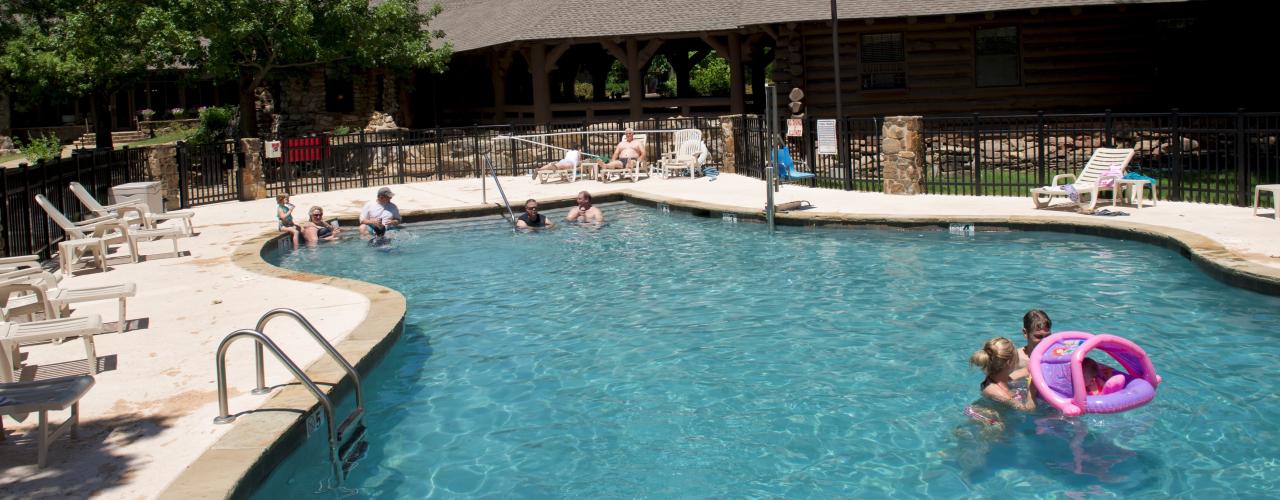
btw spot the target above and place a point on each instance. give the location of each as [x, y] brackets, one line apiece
[666, 355]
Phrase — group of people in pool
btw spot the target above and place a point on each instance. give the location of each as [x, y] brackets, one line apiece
[376, 217]
[584, 212]
[1008, 380]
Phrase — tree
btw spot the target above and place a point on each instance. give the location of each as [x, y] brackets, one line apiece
[711, 76]
[250, 40]
[71, 48]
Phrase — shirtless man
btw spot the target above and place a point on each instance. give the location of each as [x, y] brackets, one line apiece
[585, 212]
[628, 151]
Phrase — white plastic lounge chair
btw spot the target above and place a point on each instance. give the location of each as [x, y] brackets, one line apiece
[689, 158]
[1105, 164]
[110, 228]
[146, 218]
[15, 335]
[605, 173]
[678, 140]
[43, 396]
[561, 172]
[19, 262]
[40, 293]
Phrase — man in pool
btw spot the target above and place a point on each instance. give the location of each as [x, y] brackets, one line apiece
[585, 211]
[379, 214]
[531, 218]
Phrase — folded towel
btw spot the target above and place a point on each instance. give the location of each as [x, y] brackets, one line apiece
[1140, 177]
[1071, 192]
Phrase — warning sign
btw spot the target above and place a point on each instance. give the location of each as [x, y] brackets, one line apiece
[795, 127]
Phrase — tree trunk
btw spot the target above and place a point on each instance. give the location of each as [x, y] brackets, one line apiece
[102, 120]
[248, 108]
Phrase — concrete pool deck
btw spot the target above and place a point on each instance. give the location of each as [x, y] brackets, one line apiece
[149, 418]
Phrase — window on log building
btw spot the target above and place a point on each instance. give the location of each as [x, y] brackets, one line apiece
[884, 61]
[338, 94]
[998, 62]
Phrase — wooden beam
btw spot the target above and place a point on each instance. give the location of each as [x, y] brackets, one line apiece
[541, 86]
[737, 83]
[716, 44]
[698, 56]
[768, 29]
[614, 50]
[555, 54]
[635, 87]
[649, 50]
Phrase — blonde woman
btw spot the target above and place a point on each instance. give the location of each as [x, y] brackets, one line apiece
[998, 358]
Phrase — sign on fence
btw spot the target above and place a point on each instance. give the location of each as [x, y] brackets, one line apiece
[273, 149]
[826, 137]
[795, 127]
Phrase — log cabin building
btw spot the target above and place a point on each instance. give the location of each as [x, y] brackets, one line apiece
[518, 61]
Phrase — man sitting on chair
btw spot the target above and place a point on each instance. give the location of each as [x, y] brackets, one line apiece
[629, 150]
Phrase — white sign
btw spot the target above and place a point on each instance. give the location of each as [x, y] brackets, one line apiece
[826, 137]
[966, 228]
[795, 127]
[272, 149]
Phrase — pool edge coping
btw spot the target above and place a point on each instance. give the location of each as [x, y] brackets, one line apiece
[224, 469]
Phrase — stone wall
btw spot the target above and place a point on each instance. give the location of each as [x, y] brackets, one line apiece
[301, 106]
[902, 155]
[162, 165]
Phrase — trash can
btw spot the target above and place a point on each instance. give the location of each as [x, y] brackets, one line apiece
[145, 191]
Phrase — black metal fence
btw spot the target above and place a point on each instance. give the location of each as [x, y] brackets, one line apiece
[1198, 157]
[26, 228]
[861, 149]
[209, 173]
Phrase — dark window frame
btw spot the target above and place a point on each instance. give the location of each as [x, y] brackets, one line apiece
[339, 93]
[978, 55]
[876, 70]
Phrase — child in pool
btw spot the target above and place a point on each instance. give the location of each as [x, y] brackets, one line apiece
[284, 218]
[1036, 326]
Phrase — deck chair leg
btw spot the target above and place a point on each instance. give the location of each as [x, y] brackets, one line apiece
[120, 327]
[90, 353]
[42, 440]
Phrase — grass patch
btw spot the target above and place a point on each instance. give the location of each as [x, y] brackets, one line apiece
[175, 136]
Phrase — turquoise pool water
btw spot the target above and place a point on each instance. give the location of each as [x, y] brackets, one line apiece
[673, 356]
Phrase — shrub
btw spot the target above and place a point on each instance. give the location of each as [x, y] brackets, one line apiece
[342, 130]
[710, 77]
[44, 148]
[215, 123]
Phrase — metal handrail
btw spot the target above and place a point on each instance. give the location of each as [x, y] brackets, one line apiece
[489, 166]
[224, 416]
[333, 353]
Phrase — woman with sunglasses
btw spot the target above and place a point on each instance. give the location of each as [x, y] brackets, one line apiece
[318, 228]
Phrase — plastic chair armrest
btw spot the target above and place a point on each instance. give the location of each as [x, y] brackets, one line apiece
[1059, 177]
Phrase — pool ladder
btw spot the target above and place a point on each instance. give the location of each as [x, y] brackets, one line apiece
[347, 442]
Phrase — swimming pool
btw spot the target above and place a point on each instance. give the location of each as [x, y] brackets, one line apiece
[668, 355]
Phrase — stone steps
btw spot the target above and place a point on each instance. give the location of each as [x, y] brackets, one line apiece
[88, 141]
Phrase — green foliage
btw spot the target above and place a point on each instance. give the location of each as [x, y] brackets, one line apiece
[616, 83]
[215, 124]
[710, 76]
[342, 130]
[583, 90]
[44, 148]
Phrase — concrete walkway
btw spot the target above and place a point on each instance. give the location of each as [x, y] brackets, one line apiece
[151, 413]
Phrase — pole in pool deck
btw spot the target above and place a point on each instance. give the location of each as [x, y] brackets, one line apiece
[768, 189]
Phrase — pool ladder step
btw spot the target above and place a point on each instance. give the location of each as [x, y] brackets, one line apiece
[347, 443]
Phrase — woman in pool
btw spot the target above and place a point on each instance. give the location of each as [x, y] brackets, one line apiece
[284, 217]
[998, 359]
[318, 228]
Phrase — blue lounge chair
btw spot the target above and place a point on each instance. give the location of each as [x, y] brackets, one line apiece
[787, 168]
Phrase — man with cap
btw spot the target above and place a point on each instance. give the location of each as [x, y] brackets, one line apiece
[379, 214]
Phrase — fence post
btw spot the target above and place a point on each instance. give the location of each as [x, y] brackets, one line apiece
[1242, 168]
[439, 143]
[977, 157]
[1175, 153]
[845, 158]
[1041, 174]
[326, 161]
[184, 159]
[1107, 133]
[6, 215]
[402, 159]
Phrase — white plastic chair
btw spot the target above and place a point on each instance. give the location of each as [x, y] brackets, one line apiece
[1090, 182]
[145, 217]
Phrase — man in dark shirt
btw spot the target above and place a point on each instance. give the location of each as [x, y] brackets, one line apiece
[531, 217]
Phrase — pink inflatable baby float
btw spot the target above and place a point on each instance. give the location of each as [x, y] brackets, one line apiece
[1057, 369]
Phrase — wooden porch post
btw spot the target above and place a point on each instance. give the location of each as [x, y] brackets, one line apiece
[635, 85]
[541, 85]
[498, 75]
[737, 86]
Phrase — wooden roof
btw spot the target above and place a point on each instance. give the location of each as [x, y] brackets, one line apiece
[473, 24]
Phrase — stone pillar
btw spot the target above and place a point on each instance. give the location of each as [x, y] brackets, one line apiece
[902, 155]
[253, 185]
[162, 165]
[729, 160]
